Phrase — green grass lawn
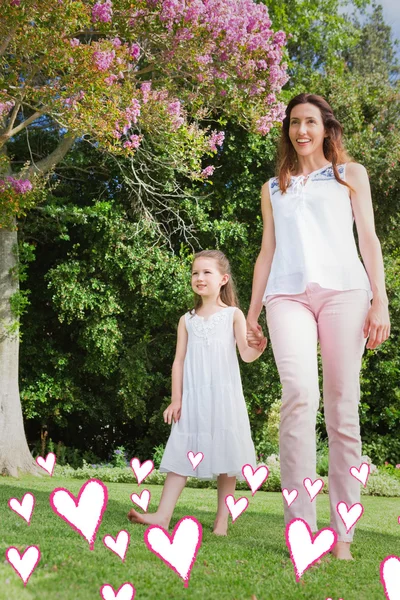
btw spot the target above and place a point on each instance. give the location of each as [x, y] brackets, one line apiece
[252, 562]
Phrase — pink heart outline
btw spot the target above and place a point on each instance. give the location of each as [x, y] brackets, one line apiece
[228, 498]
[28, 520]
[171, 539]
[288, 495]
[313, 538]
[382, 574]
[21, 558]
[359, 477]
[194, 461]
[348, 511]
[116, 542]
[137, 470]
[250, 478]
[116, 594]
[144, 504]
[92, 540]
[45, 467]
[311, 486]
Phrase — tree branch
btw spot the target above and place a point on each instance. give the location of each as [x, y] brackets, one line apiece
[47, 163]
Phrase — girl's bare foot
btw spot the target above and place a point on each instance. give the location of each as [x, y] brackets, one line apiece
[342, 551]
[220, 527]
[147, 519]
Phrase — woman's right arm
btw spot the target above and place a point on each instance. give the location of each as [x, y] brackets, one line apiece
[173, 411]
[263, 263]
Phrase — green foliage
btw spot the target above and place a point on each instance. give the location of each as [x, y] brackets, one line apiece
[158, 454]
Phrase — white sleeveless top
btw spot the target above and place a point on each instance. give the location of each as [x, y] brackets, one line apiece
[314, 236]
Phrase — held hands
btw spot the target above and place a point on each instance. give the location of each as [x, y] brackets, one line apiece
[255, 337]
[173, 411]
[377, 325]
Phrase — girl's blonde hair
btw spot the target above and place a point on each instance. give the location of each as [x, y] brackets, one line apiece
[333, 148]
[228, 294]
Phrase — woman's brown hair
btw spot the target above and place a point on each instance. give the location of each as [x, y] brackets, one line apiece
[228, 294]
[333, 148]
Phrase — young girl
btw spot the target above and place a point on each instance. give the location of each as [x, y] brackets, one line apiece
[208, 409]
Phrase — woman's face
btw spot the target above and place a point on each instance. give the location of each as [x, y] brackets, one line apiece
[306, 129]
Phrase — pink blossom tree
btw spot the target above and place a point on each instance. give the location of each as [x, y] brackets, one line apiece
[119, 73]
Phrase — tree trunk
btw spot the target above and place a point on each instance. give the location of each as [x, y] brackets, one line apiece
[14, 451]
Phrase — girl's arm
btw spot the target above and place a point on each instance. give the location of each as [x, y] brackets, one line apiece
[247, 353]
[173, 411]
[263, 264]
[377, 323]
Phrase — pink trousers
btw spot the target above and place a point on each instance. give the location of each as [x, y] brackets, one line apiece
[296, 323]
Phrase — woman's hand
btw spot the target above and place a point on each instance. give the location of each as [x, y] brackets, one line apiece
[377, 325]
[173, 411]
[255, 336]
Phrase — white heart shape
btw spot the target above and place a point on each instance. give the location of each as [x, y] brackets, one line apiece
[290, 497]
[179, 550]
[350, 515]
[195, 459]
[256, 478]
[304, 550]
[390, 577]
[125, 592]
[361, 474]
[48, 464]
[142, 500]
[141, 471]
[23, 565]
[23, 508]
[313, 488]
[119, 545]
[84, 514]
[236, 508]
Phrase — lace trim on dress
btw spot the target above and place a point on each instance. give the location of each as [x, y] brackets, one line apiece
[206, 328]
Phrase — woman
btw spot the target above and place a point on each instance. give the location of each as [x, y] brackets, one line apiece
[315, 289]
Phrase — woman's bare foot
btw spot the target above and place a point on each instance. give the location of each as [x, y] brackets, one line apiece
[220, 527]
[147, 519]
[342, 551]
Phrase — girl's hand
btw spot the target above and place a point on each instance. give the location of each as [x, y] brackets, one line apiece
[377, 325]
[255, 336]
[173, 411]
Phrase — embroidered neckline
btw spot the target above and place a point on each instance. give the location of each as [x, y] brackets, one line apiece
[211, 316]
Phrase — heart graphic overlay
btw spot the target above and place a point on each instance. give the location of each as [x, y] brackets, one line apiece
[313, 488]
[304, 549]
[142, 500]
[236, 508]
[256, 478]
[290, 497]
[23, 565]
[84, 514]
[390, 577]
[361, 474]
[125, 592]
[24, 508]
[195, 459]
[178, 550]
[141, 470]
[119, 545]
[48, 464]
[351, 515]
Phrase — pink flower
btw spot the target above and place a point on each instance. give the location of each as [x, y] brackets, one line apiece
[216, 139]
[74, 43]
[102, 12]
[174, 108]
[5, 107]
[103, 60]
[21, 186]
[116, 42]
[145, 88]
[111, 79]
[397, 466]
[134, 51]
[135, 139]
[207, 172]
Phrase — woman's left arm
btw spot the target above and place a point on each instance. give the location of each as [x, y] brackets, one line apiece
[377, 323]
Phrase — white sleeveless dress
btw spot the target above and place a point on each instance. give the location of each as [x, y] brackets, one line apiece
[214, 417]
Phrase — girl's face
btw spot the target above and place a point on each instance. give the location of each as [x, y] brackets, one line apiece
[306, 129]
[207, 278]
